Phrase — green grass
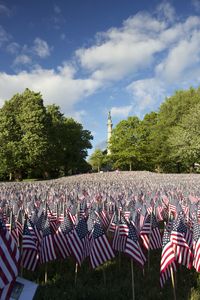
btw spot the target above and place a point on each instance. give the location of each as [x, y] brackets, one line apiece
[112, 281]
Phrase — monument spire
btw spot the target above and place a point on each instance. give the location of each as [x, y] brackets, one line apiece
[109, 132]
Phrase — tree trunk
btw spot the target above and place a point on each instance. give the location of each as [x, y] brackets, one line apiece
[130, 167]
[192, 168]
[10, 176]
[178, 165]
[18, 175]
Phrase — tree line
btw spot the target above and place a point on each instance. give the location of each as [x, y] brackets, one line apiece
[38, 141]
[165, 141]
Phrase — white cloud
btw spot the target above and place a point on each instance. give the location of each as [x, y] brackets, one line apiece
[147, 94]
[121, 111]
[4, 36]
[78, 115]
[13, 48]
[196, 4]
[166, 11]
[22, 59]
[41, 48]
[4, 10]
[57, 9]
[57, 86]
[184, 56]
[122, 51]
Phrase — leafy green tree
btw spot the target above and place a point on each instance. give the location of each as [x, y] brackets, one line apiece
[36, 140]
[96, 160]
[185, 140]
[124, 144]
[146, 147]
[22, 133]
[170, 114]
[77, 141]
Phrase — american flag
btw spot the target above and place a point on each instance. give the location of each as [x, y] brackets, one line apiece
[79, 241]
[47, 250]
[53, 219]
[30, 256]
[168, 258]
[173, 208]
[19, 222]
[196, 246]
[120, 235]
[72, 212]
[60, 237]
[101, 250]
[181, 239]
[150, 233]
[113, 223]
[13, 228]
[159, 213]
[9, 261]
[132, 247]
[104, 217]
[39, 226]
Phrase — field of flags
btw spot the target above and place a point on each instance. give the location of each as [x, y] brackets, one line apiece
[98, 219]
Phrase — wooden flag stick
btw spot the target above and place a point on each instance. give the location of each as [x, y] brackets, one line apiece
[76, 271]
[132, 279]
[104, 276]
[45, 274]
[149, 243]
[119, 260]
[173, 282]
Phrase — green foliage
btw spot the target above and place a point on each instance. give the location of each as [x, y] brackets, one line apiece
[166, 141]
[38, 140]
[184, 139]
[96, 160]
[124, 143]
[171, 113]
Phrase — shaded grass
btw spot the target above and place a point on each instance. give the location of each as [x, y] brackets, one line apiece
[112, 281]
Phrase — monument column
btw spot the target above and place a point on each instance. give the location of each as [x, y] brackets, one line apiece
[109, 132]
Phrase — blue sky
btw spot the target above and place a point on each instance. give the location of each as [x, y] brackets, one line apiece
[93, 56]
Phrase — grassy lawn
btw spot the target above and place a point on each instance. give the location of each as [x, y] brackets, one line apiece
[112, 281]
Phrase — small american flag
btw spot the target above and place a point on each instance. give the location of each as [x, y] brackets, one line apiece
[132, 247]
[9, 261]
[168, 258]
[150, 233]
[196, 246]
[19, 222]
[47, 251]
[181, 239]
[60, 237]
[30, 256]
[101, 250]
[79, 241]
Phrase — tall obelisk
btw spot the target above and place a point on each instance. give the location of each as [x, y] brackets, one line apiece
[109, 132]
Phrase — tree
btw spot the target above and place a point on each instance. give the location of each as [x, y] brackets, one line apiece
[146, 147]
[96, 160]
[22, 133]
[185, 140]
[170, 114]
[36, 140]
[124, 144]
[77, 141]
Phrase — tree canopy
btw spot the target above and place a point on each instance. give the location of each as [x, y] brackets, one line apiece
[164, 141]
[40, 141]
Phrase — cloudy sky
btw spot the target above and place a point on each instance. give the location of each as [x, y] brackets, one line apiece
[92, 56]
